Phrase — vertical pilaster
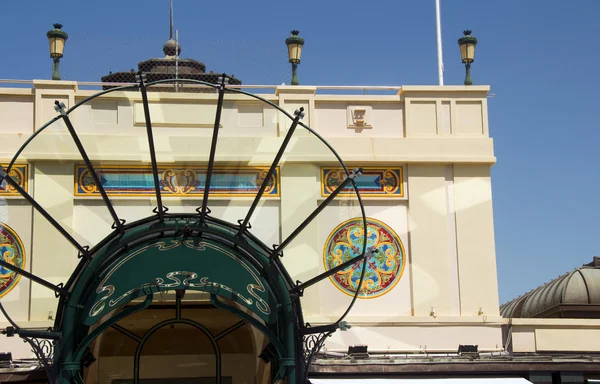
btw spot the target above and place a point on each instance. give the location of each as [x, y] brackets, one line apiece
[475, 240]
[292, 98]
[433, 261]
[302, 256]
[53, 258]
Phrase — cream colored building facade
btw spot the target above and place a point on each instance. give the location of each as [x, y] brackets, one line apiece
[438, 137]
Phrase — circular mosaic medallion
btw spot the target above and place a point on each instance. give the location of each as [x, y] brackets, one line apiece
[384, 268]
[12, 252]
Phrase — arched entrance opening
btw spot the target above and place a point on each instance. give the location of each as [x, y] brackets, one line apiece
[182, 255]
[158, 347]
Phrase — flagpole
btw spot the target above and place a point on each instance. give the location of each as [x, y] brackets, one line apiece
[438, 25]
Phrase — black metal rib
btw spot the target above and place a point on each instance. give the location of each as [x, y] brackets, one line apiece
[159, 205]
[37, 334]
[314, 214]
[151, 331]
[126, 332]
[118, 223]
[299, 114]
[58, 289]
[227, 331]
[213, 146]
[364, 251]
[319, 329]
[178, 296]
[82, 250]
[43, 127]
[299, 288]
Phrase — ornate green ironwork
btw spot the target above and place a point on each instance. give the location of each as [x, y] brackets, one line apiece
[104, 273]
[467, 38]
[57, 32]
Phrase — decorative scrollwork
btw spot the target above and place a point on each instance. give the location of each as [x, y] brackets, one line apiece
[44, 349]
[44, 352]
[313, 343]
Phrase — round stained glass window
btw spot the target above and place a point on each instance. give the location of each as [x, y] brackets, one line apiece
[12, 252]
[384, 267]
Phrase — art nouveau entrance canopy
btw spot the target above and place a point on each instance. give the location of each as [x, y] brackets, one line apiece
[186, 251]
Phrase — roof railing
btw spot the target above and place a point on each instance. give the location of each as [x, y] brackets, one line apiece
[364, 89]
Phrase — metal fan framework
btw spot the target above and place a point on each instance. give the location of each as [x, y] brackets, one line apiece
[49, 346]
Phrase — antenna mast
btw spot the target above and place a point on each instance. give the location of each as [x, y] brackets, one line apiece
[171, 24]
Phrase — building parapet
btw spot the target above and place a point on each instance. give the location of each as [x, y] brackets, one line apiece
[419, 124]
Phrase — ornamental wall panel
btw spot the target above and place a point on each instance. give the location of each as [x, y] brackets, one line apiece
[15, 244]
[341, 119]
[395, 298]
[17, 114]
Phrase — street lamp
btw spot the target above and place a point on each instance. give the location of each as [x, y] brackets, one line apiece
[467, 45]
[56, 38]
[294, 44]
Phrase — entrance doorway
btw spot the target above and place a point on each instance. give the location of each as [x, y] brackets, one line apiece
[178, 342]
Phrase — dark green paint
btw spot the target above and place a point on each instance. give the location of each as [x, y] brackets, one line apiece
[294, 38]
[55, 71]
[57, 32]
[172, 263]
[295, 74]
[74, 312]
[467, 38]
[468, 80]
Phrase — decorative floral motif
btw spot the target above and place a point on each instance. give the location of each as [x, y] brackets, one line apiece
[179, 181]
[384, 267]
[12, 252]
[18, 173]
[271, 183]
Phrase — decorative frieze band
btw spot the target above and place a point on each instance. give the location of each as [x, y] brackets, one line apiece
[374, 182]
[183, 181]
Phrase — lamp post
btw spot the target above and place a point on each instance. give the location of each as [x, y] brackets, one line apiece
[467, 45]
[294, 44]
[57, 38]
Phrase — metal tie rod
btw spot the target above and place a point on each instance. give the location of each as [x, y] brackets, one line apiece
[159, 205]
[117, 223]
[58, 289]
[299, 114]
[213, 146]
[83, 251]
[301, 287]
[278, 249]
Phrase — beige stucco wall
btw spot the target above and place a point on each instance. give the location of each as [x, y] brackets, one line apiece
[553, 335]
[439, 136]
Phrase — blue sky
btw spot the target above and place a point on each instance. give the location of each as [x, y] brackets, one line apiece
[540, 58]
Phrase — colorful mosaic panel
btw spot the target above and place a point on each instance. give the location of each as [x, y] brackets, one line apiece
[384, 268]
[19, 173]
[12, 252]
[184, 181]
[374, 182]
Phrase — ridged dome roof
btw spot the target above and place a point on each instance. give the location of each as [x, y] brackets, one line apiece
[565, 296]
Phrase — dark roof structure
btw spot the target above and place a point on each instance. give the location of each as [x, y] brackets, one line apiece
[575, 294]
[169, 67]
